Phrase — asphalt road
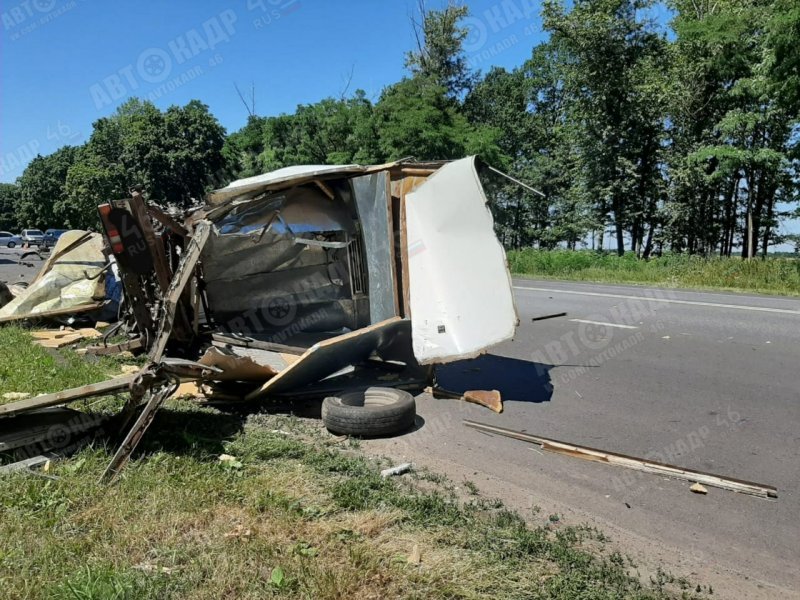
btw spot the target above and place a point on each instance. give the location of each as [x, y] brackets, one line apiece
[709, 381]
[12, 271]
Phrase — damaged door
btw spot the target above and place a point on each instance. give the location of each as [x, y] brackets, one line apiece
[460, 287]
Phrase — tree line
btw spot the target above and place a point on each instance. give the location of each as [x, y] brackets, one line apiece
[681, 137]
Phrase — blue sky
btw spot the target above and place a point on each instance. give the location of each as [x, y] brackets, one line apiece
[66, 63]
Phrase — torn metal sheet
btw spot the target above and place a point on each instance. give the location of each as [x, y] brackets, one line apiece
[460, 287]
[252, 186]
[235, 367]
[372, 199]
[281, 264]
[73, 281]
[332, 355]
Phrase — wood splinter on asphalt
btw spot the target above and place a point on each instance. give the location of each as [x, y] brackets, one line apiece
[698, 488]
[491, 399]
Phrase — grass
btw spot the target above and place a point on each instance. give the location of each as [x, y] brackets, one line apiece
[292, 515]
[773, 275]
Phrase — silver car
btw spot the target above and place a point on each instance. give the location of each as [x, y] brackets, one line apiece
[34, 237]
[9, 240]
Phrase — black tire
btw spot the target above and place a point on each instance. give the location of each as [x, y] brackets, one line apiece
[374, 412]
[12, 244]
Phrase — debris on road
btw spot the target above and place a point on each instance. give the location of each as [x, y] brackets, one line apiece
[632, 462]
[398, 470]
[491, 399]
[698, 488]
[553, 316]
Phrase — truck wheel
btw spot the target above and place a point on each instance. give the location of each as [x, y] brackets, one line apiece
[374, 412]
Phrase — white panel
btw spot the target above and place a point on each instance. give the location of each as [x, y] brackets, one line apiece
[460, 287]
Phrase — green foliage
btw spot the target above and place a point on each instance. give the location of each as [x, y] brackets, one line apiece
[773, 275]
[9, 197]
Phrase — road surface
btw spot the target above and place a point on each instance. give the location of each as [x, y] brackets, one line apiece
[709, 381]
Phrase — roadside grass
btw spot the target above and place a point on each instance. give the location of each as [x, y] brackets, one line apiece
[292, 514]
[772, 275]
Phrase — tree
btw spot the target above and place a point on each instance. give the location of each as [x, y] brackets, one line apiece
[609, 59]
[415, 118]
[9, 196]
[42, 186]
[439, 56]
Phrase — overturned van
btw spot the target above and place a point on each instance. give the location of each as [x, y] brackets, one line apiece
[389, 266]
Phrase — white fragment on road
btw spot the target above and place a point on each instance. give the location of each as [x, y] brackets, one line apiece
[665, 337]
[603, 323]
[398, 470]
[786, 311]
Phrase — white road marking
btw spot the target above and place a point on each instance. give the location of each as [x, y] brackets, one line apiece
[604, 324]
[786, 311]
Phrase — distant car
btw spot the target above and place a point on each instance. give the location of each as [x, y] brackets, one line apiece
[9, 240]
[34, 237]
[51, 237]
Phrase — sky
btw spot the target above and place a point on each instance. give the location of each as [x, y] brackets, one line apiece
[66, 63]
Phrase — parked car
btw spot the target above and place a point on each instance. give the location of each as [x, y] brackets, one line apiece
[34, 237]
[51, 237]
[9, 240]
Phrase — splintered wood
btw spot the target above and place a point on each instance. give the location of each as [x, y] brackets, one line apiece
[58, 338]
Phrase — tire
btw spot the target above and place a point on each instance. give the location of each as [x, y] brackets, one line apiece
[375, 412]
[12, 244]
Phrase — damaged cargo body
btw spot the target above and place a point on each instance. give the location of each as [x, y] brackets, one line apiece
[307, 254]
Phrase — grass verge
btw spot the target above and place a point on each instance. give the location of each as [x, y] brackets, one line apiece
[771, 276]
[289, 515]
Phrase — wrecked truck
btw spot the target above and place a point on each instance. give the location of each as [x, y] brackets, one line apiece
[342, 282]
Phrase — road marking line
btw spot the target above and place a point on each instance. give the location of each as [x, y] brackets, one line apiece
[604, 324]
[786, 311]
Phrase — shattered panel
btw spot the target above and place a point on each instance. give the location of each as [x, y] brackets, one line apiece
[73, 280]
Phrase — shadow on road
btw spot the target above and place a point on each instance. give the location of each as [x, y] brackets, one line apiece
[515, 379]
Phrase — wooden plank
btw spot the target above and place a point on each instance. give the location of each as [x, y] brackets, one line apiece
[182, 277]
[130, 346]
[33, 462]
[66, 396]
[633, 462]
[49, 314]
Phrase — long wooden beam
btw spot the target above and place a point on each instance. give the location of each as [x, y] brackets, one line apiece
[632, 462]
[66, 396]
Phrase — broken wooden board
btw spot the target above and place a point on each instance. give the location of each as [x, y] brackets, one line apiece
[130, 346]
[102, 388]
[49, 314]
[58, 338]
[183, 275]
[329, 356]
[633, 462]
[34, 462]
[491, 399]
